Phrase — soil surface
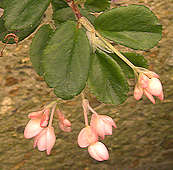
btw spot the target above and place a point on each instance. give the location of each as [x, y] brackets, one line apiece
[142, 141]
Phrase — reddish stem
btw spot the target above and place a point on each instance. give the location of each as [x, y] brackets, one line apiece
[75, 9]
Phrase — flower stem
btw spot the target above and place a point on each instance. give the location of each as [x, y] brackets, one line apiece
[52, 113]
[85, 110]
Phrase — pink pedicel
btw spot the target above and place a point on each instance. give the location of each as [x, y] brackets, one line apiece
[45, 140]
[102, 125]
[86, 137]
[149, 85]
[32, 128]
[98, 151]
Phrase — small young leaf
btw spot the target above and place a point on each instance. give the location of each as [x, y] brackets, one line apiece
[38, 44]
[134, 26]
[137, 59]
[106, 79]
[66, 60]
[97, 5]
[24, 14]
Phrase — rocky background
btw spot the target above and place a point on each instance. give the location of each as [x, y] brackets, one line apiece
[142, 141]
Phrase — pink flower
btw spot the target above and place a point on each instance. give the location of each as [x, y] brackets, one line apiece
[65, 125]
[87, 137]
[102, 125]
[45, 140]
[98, 151]
[149, 85]
[32, 128]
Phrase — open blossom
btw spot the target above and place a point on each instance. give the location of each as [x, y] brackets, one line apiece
[149, 85]
[102, 124]
[45, 140]
[98, 151]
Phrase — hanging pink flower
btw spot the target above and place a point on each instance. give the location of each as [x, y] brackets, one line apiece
[149, 85]
[102, 125]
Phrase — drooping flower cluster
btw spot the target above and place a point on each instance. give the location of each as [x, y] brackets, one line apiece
[149, 85]
[100, 126]
[40, 128]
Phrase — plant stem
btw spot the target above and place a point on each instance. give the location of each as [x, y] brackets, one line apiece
[51, 116]
[89, 27]
[75, 9]
[85, 110]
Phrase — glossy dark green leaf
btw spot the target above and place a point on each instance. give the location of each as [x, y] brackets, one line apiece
[66, 61]
[97, 5]
[24, 14]
[106, 79]
[38, 44]
[65, 14]
[137, 59]
[134, 26]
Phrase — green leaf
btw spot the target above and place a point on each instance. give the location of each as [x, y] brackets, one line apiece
[24, 14]
[106, 79]
[38, 44]
[22, 25]
[65, 14]
[66, 60]
[58, 4]
[137, 59]
[134, 26]
[97, 5]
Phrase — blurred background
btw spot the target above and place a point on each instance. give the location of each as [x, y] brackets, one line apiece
[144, 135]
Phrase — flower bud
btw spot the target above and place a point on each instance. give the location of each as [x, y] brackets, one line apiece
[98, 151]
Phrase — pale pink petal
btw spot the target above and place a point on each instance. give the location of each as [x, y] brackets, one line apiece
[138, 92]
[45, 118]
[64, 128]
[155, 87]
[97, 125]
[86, 137]
[143, 81]
[151, 74]
[161, 96]
[108, 129]
[150, 97]
[98, 151]
[66, 122]
[36, 138]
[42, 141]
[108, 120]
[51, 138]
[32, 128]
[35, 115]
